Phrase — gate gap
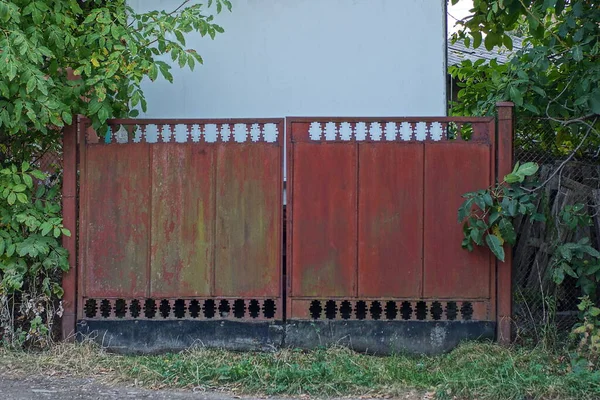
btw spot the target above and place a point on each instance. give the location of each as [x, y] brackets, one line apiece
[239, 308]
[376, 310]
[105, 308]
[406, 310]
[466, 311]
[135, 308]
[194, 308]
[120, 308]
[421, 310]
[254, 309]
[179, 308]
[361, 310]
[150, 308]
[330, 309]
[436, 310]
[391, 310]
[346, 310]
[165, 308]
[315, 309]
[269, 308]
[451, 310]
[91, 308]
[209, 308]
[224, 308]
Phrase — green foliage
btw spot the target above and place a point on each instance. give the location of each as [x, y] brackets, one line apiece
[557, 73]
[487, 214]
[588, 332]
[31, 256]
[110, 49]
[578, 260]
[106, 43]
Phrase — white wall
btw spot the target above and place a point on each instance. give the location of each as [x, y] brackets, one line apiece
[282, 58]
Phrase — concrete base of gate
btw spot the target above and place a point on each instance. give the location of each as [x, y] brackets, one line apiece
[152, 337]
[387, 337]
[373, 337]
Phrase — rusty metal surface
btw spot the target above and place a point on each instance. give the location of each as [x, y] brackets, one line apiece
[324, 236]
[450, 171]
[372, 206]
[150, 226]
[390, 213]
[116, 226]
[249, 222]
[183, 237]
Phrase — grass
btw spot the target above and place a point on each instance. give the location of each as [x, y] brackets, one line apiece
[472, 371]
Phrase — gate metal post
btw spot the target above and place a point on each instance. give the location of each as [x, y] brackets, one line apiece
[69, 209]
[504, 158]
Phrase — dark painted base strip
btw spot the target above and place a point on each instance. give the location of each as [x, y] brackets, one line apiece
[373, 337]
[153, 337]
[387, 337]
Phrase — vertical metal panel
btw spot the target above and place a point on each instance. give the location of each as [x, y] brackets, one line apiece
[248, 226]
[117, 207]
[182, 220]
[452, 169]
[390, 244]
[324, 227]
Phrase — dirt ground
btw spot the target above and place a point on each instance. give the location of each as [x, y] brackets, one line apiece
[64, 388]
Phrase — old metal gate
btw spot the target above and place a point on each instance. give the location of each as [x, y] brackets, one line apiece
[373, 233]
[181, 221]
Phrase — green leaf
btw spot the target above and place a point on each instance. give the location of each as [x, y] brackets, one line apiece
[516, 96]
[180, 37]
[507, 231]
[495, 246]
[477, 236]
[10, 250]
[28, 180]
[67, 118]
[12, 197]
[22, 197]
[476, 39]
[66, 232]
[512, 178]
[19, 188]
[46, 228]
[508, 42]
[2, 246]
[57, 232]
[577, 53]
[528, 169]
[38, 174]
[465, 209]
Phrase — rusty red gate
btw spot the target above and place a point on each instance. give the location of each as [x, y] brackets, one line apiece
[182, 220]
[372, 221]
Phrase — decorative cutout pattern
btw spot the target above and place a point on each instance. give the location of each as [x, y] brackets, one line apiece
[389, 131]
[391, 310]
[186, 133]
[180, 309]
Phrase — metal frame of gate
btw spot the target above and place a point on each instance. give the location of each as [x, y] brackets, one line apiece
[363, 218]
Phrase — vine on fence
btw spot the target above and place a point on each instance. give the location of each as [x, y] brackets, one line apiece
[31, 256]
